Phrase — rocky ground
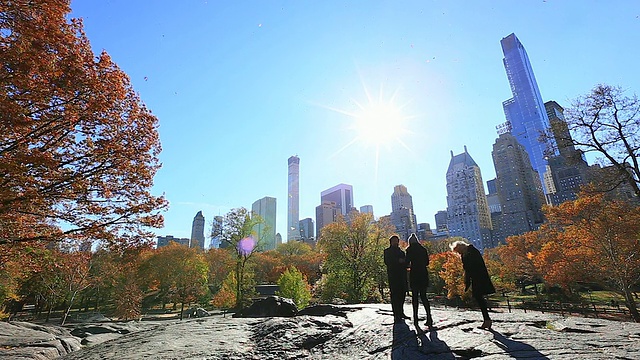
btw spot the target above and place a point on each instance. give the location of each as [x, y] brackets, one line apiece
[360, 332]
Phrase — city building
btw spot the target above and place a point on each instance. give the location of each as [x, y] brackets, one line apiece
[266, 231]
[307, 231]
[278, 240]
[525, 111]
[197, 231]
[216, 233]
[467, 209]
[366, 209]
[402, 216]
[518, 189]
[441, 222]
[165, 240]
[568, 170]
[342, 195]
[293, 204]
[326, 213]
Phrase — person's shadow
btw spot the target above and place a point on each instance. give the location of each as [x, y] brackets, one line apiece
[433, 347]
[517, 349]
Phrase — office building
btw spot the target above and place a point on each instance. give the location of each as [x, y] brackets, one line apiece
[518, 190]
[307, 231]
[266, 230]
[367, 209]
[441, 222]
[467, 209]
[402, 215]
[197, 231]
[293, 204]
[568, 170]
[525, 111]
[165, 240]
[216, 232]
[326, 213]
[342, 195]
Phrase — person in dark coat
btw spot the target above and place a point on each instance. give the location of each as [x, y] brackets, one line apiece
[418, 260]
[476, 276]
[395, 259]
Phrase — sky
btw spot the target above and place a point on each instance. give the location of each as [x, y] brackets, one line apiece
[240, 86]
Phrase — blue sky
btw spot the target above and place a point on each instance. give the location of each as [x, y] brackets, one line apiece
[240, 86]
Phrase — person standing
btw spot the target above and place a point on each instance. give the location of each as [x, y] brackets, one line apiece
[395, 259]
[418, 260]
[476, 276]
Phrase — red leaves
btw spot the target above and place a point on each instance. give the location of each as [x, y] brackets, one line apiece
[78, 149]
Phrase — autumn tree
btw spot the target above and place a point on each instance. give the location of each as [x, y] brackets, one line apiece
[78, 148]
[517, 257]
[237, 235]
[606, 122]
[180, 272]
[220, 264]
[293, 285]
[354, 263]
[452, 274]
[593, 240]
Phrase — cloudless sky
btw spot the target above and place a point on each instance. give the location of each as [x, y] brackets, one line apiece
[240, 86]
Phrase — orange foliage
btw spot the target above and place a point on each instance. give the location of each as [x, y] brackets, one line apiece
[77, 146]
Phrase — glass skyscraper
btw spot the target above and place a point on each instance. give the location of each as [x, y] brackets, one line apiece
[525, 111]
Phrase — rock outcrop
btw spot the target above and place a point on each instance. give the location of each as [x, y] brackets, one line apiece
[355, 332]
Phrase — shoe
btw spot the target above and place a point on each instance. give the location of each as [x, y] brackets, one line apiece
[398, 320]
[429, 324]
[486, 325]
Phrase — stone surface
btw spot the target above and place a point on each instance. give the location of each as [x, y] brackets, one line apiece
[355, 332]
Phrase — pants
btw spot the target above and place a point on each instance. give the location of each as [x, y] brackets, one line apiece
[397, 300]
[482, 303]
[422, 295]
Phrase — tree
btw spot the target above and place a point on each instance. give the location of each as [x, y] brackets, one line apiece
[354, 258]
[220, 264]
[607, 122]
[237, 236]
[78, 148]
[452, 274]
[517, 257]
[593, 240]
[294, 286]
[180, 272]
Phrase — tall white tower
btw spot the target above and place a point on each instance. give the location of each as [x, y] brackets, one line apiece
[293, 209]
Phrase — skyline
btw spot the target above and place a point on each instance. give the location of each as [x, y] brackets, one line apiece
[238, 89]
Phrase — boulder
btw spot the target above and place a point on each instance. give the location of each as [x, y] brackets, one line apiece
[269, 307]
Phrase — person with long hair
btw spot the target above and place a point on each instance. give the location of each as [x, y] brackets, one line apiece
[418, 260]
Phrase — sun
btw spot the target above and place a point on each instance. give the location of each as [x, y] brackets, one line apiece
[379, 122]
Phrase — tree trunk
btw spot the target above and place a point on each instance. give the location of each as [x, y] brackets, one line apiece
[66, 313]
[631, 305]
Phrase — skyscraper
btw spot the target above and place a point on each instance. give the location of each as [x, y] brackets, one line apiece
[307, 230]
[216, 233]
[467, 210]
[568, 170]
[342, 195]
[326, 213]
[402, 215]
[293, 209]
[197, 231]
[518, 188]
[441, 222]
[525, 111]
[266, 232]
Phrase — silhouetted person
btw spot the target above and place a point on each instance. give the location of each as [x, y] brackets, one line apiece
[395, 259]
[476, 276]
[418, 260]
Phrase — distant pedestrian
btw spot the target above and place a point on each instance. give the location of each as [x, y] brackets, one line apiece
[476, 276]
[418, 260]
[395, 259]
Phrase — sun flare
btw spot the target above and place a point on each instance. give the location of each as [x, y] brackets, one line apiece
[377, 123]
